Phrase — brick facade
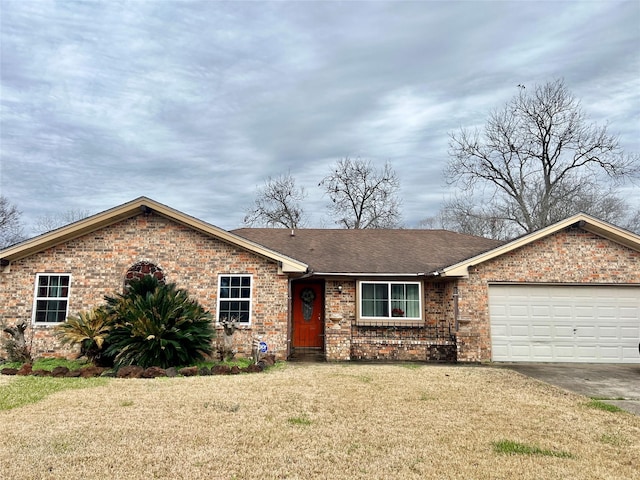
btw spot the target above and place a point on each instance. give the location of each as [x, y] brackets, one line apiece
[456, 327]
[340, 302]
[569, 256]
[98, 263]
[346, 340]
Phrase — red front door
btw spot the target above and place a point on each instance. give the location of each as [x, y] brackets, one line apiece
[308, 315]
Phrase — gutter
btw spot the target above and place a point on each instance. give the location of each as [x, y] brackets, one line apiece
[351, 274]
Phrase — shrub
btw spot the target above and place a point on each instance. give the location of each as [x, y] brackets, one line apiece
[88, 329]
[157, 324]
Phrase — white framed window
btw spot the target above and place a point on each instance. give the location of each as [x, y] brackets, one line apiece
[380, 300]
[51, 298]
[234, 298]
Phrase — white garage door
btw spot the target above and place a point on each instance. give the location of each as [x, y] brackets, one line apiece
[591, 324]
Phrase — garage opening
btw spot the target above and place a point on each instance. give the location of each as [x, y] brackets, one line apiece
[565, 323]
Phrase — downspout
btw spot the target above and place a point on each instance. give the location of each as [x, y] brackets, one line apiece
[456, 311]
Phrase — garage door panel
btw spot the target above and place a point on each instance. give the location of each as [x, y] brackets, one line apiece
[543, 351]
[584, 312]
[628, 313]
[541, 331]
[564, 353]
[610, 353]
[565, 323]
[604, 312]
[563, 333]
[629, 332]
[519, 331]
[518, 311]
[501, 351]
[586, 351]
[608, 333]
[561, 311]
[586, 333]
[521, 351]
[499, 331]
[540, 310]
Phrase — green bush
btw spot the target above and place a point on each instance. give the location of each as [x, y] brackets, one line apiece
[154, 324]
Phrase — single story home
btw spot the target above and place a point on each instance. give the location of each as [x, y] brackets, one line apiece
[567, 293]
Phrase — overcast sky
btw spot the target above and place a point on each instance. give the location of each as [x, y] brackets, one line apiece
[196, 103]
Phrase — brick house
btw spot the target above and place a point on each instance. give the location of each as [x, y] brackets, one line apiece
[569, 292]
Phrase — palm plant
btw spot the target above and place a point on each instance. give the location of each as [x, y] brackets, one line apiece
[158, 325]
[89, 330]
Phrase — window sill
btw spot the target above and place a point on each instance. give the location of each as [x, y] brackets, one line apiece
[390, 322]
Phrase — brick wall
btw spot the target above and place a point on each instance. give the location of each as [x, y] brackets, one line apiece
[403, 349]
[98, 263]
[340, 310]
[344, 340]
[569, 256]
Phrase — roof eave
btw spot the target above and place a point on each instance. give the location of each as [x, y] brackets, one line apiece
[584, 221]
[365, 274]
[66, 233]
[133, 208]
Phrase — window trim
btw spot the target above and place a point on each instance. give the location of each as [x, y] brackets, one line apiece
[36, 298]
[250, 299]
[390, 320]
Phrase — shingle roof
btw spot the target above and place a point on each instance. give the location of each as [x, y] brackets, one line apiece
[371, 250]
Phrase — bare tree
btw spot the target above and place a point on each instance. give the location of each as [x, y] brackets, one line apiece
[362, 196]
[11, 230]
[463, 216]
[46, 223]
[537, 161]
[277, 204]
[633, 221]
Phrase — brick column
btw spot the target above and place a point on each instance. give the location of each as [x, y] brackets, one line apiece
[468, 346]
[337, 339]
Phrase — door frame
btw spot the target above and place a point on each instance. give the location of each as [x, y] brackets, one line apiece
[321, 284]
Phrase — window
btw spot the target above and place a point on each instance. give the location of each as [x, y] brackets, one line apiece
[51, 298]
[234, 298]
[382, 300]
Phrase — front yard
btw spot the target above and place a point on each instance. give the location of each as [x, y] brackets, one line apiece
[327, 421]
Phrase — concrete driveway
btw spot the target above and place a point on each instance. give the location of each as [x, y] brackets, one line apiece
[616, 384]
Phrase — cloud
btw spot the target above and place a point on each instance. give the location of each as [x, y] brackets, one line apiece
[195, 103]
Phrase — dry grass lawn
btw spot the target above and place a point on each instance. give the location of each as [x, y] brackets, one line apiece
[319, 422]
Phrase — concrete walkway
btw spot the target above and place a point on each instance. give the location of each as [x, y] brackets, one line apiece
[617, 384]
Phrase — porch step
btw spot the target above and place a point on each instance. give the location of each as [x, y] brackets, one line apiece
[311, 355]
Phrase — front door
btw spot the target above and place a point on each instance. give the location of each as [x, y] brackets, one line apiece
[308, 315]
